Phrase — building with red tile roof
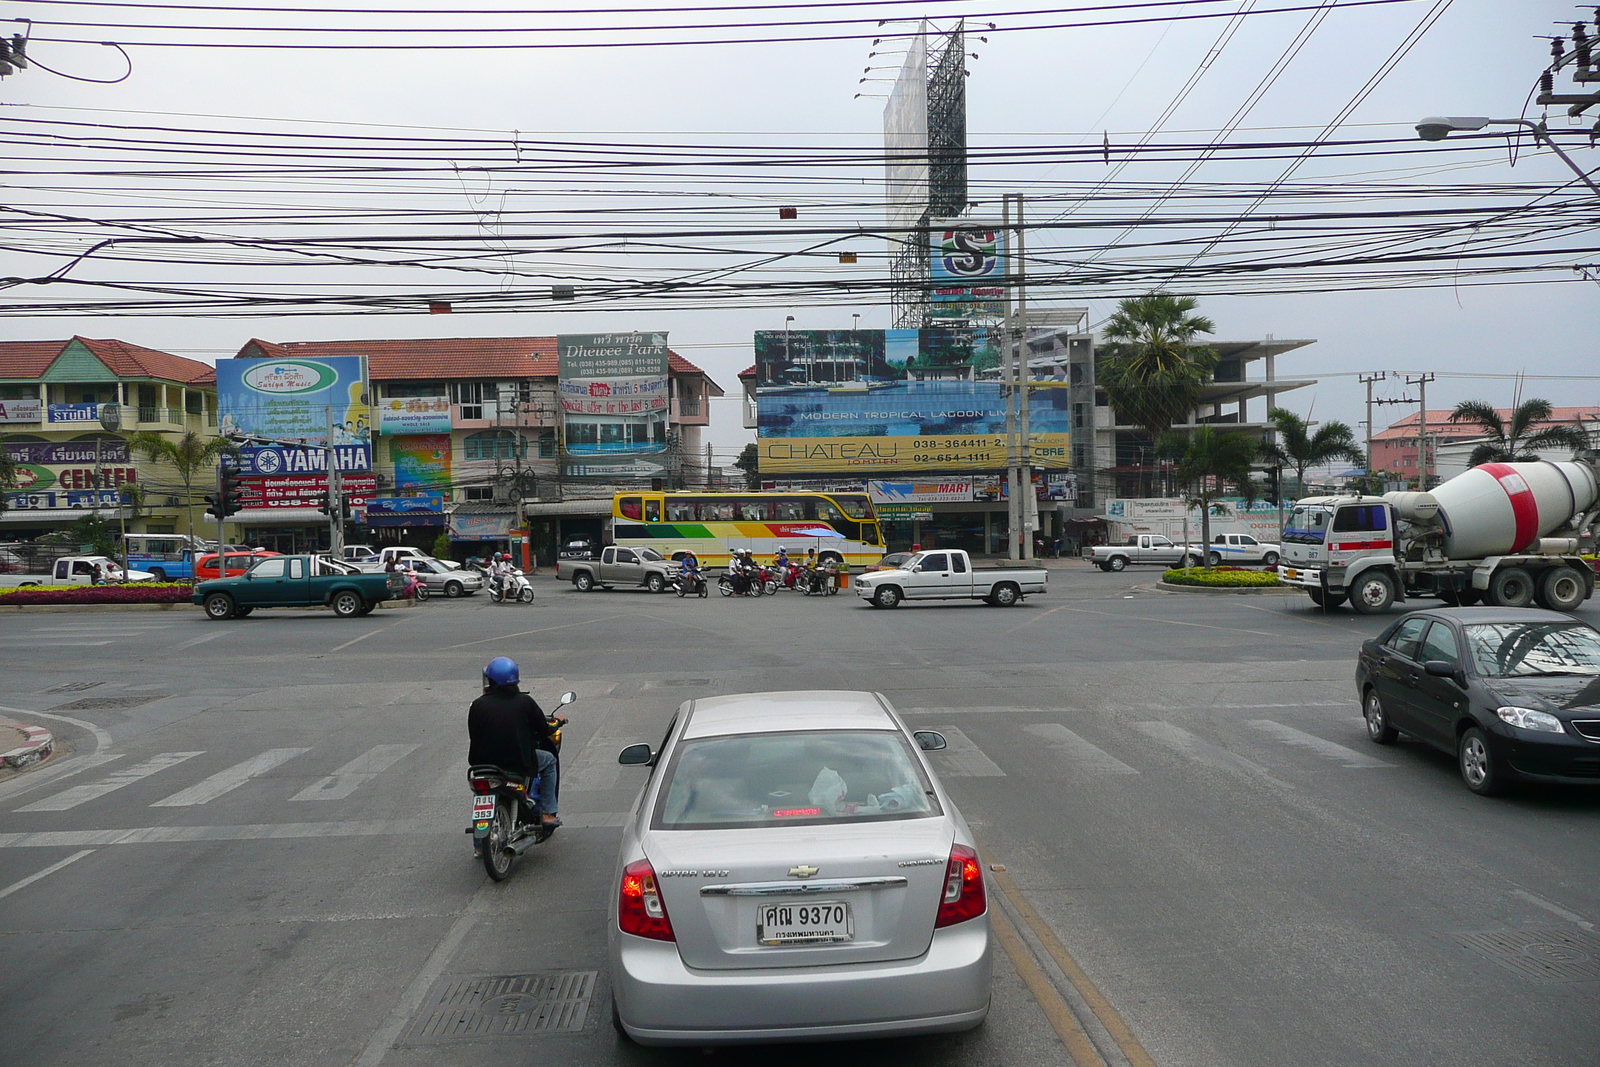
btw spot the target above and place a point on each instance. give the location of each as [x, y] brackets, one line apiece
[1397, 447]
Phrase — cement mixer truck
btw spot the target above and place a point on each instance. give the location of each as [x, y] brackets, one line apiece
[1505, 534]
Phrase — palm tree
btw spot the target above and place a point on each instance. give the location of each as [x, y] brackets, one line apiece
[1210, 466]
[189, 454]
[1300, 449]
[1510, 441]
[1154, 371]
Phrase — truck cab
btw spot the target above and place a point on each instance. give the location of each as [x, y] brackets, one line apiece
[1328, 541]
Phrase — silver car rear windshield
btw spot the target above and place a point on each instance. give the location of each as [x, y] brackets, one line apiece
[1511, 650]
[793, 779]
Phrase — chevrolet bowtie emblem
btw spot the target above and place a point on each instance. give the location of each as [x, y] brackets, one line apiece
[802, 871]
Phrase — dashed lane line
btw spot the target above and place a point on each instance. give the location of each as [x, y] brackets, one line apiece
[47, 872]
[289, 831]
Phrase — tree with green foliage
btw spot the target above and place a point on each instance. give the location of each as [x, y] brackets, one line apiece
[1153, 367]
[749, 461]
[1297, 448]
[189, 454]
[442, 545]
[1517, 439]
[1211, 464]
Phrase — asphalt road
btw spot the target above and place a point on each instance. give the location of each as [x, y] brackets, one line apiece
[254, 854]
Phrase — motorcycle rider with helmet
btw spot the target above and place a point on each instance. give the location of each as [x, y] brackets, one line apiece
[508, 729]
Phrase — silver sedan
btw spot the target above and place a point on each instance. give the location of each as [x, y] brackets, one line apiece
[442, 579]
[794, 870]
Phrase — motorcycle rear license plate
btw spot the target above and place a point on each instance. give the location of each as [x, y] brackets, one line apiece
[804, 923]
[482, 812]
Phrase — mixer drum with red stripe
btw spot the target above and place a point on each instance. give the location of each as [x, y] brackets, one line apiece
[1501, 508]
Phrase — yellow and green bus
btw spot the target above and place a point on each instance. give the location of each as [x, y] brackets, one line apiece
[841, 526]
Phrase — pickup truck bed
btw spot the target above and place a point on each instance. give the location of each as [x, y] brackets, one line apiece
[949, 574]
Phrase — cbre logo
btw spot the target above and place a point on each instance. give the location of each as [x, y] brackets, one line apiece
[290, 376]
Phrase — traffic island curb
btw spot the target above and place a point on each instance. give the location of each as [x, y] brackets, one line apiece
[1277, 590]
[36, 747]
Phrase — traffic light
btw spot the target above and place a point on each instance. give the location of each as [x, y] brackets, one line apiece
[212, 506]
[1273, 489]
[325, 505]
[232, 492]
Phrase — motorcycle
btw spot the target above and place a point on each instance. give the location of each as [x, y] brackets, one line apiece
[506, 820]
[415, 588]
[750, 582]
[514, 587]
[820, 580]
[694, 584]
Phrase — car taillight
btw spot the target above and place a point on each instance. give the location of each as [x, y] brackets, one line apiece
[640, 909]
[482, 785]
[963, 889]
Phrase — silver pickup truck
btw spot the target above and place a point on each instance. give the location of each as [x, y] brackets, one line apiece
[618, 566]
[1144, 548]
[948, 574]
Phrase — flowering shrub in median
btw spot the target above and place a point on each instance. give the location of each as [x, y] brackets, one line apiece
[1220, 577]
[131, 593]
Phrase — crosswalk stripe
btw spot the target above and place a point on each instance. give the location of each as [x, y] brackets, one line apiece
[1348, 757]
[358, 772]
[451, 783]
[203, 792]
[596, 766]
[82, 794]
[1082, 755]
[1204, 752]
[963, 759]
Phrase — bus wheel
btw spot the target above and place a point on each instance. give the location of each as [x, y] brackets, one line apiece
[830, 557]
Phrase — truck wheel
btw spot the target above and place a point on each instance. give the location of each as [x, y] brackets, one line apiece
[1372, 593]
[655, 583]
[219, 606]
[1117, 563]
[1005, 595]
[157, 574]
[347, 605]
[242, 613]
[454, 589]
[1270, 559]
[887, 596]
[583, 581]
[1510, 587]
[1325, 600]
[1561, 589]
[1213, 559]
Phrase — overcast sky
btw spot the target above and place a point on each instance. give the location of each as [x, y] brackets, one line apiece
[1058, 87]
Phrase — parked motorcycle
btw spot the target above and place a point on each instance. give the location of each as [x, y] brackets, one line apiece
[506, 820]
[415, 588]
[820, 580]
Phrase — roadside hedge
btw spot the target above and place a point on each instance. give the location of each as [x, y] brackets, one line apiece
[1220, 577]
[132, 593]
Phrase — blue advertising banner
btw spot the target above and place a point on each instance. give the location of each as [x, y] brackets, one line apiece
[321, 401]
[73, 413]
[272, 460]
[406, 505]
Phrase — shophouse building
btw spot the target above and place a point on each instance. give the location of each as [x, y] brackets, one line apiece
[58, 403]
[1397, 449]
[469, 435]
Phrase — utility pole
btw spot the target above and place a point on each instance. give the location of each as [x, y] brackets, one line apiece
[1028, 502]
[708, 458]
[1008, 386]
[1423, 465]
[335, 496]
[1367, 380]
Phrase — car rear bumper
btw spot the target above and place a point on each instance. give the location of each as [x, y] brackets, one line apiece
[663, 1002]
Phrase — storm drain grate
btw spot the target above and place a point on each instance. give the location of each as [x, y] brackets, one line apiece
[506, 1004]
[1544, 955]
[107, 703]
[74, 687]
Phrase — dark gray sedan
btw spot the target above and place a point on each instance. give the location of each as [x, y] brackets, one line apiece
[1513, 693]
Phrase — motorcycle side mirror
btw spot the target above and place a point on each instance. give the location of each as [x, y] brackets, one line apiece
[929, 740]
[566, 698]
[636, 756]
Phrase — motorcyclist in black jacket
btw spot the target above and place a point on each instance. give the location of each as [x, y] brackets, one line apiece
[509, 730]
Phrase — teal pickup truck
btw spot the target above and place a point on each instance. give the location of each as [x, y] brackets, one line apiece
[297, 582]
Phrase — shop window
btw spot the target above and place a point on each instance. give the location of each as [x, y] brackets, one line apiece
[583, 433]
[611, 433]
[547, 443]
[478, 492]
[496, 444]
[408, 389]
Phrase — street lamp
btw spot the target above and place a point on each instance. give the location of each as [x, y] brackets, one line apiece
[1438, 127]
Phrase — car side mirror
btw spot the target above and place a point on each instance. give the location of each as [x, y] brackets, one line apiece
[636, 756]
[1440, 668]
[929, 740]
[250, 576]
[566, 698]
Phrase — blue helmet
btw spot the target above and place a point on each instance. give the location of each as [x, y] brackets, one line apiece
[502, 670]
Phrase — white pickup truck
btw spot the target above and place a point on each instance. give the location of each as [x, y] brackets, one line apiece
[1239, 548]
[77, 570]
[400, 554]
[1144, 548]
[948, 574]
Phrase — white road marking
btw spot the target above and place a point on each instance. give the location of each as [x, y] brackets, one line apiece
[452, 783]
[27, 783]
[962, 758]
[290, 831]
[596, 766]
[53, 642]
[363, 637]
[1347, 757]
[357, 773]
[1538, 902]
[1082, 755]
[202, 639]
[52, 869]
[1204, 752]
[102, 740]
[203, 792]
[68, 799]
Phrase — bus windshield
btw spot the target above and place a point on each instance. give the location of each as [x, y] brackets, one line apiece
[1307, 525]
